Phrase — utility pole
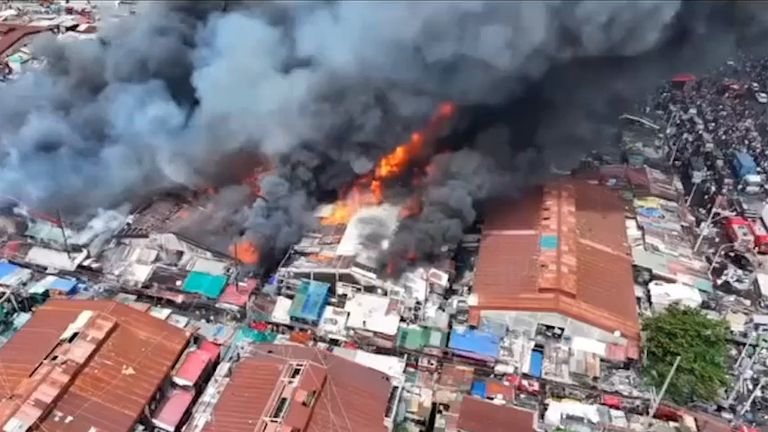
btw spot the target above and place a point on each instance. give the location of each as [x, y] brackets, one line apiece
[737, 387]
[63, 233]
[707, 224]
[693, 192]
[752, 397]
[655, 403]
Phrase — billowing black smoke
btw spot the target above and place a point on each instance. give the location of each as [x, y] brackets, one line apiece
[325, 88]
[568, 111]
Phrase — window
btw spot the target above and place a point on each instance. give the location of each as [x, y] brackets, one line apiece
[73, 337]
[392, 402]
[280, 408]
[310, 399]
[296, 372]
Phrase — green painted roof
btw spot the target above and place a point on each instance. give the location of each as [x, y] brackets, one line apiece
[257, 336]
[205, 284]
[413, 338]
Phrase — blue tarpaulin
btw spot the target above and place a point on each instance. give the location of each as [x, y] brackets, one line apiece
[478, 389]
[475, 342]
[537, 363]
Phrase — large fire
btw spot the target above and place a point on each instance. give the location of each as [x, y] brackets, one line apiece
[246, 252]
[393, 164]
[343, 210]
[389, 167]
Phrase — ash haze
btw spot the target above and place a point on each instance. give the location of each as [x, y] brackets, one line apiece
[325, 88]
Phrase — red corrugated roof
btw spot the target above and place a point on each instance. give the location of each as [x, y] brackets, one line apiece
[238, 294]
[478, 415]
[12, 34]
[349, 397]
[192, 368]
[173, 407]
[586, 274]
[111, 391]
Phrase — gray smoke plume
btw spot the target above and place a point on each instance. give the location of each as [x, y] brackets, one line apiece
[456, 181]
[323, 88]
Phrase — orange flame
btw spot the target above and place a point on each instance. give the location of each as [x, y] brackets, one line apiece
[393, 164]
[390, 166]
[246, 252]
[345, 208]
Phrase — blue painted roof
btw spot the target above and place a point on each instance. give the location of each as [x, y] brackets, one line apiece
[475, 342]
[310, 300]
[548, 242]
[7, 268]
[61, 284]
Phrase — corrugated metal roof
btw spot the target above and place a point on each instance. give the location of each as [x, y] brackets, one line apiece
[351, 398]
[478, 415]
[118, 381]
[192, 368]
[11, 35]
[586, 274]
[173, 407]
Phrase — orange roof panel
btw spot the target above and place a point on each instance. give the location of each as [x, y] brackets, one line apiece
[351, 397]
[565, 252]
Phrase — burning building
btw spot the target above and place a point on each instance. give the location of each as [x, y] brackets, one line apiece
[348, 256]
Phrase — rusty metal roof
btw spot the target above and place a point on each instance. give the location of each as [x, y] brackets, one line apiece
[349, 397]
[12, 34]
[115, 384]
[560, 249]
[478, 415]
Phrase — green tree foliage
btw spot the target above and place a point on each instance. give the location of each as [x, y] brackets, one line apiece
[701, 344]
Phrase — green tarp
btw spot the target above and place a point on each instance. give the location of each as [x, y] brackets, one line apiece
[205, 284]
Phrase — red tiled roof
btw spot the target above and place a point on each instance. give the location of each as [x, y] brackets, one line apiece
[349, 397]
[115, 384]
[478, 415]
[12, 34]
[585, 274]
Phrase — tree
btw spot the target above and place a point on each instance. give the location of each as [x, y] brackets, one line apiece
[701, 343]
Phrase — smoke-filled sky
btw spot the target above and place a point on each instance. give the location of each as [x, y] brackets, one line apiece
[325, 88]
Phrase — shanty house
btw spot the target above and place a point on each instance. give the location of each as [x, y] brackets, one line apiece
[84, 365]
[296, 388]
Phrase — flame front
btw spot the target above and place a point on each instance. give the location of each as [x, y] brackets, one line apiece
[370, 190]
[344, 209]
[395, 163]
[246, 252]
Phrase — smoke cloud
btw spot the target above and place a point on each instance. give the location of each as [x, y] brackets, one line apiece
[323, 89]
